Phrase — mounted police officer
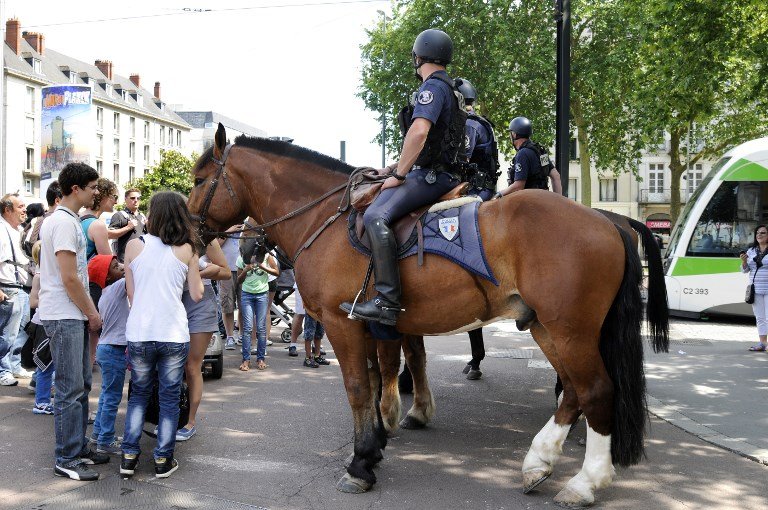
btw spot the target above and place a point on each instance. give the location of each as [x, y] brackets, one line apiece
[482, 174]
[429, 166]
[531, 167]
[482, 151]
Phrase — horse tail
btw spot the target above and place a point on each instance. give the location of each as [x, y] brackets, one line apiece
[657, 309]
[621, 347]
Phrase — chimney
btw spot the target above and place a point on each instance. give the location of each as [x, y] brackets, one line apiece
[157, 89]
[136, 79]
[37, 41]
[13, 35]
[105, 66]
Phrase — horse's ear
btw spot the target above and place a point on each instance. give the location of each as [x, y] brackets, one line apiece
[219, 141]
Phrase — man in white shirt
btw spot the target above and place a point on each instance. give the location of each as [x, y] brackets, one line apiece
[14, 300]
[68, 312]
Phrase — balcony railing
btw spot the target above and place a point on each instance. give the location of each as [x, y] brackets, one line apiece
[660, 196]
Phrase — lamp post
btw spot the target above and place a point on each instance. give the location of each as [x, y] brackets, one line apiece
[383, 109]
[563, 103]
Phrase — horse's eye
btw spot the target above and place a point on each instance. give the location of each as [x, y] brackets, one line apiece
[199, 181]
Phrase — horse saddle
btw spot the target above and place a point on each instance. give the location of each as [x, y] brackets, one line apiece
[449, 229]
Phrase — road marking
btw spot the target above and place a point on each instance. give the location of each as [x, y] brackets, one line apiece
[249, 465]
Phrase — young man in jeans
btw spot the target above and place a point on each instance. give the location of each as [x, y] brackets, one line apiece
[68, 312]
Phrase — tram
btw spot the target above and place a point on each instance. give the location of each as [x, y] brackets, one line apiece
[701, 266]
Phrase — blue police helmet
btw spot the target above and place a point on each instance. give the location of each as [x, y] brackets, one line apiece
[433, 46]
[520, 127]
[467, 90]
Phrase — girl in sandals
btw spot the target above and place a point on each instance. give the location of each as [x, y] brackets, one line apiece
[254, 278]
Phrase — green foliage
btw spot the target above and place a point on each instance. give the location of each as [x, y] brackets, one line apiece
[172, 172]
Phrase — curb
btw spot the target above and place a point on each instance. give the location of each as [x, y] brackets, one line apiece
[673, 416]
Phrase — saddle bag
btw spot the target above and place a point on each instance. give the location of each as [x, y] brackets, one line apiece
[365, 186]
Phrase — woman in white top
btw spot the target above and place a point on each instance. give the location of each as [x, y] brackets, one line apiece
[156, 268]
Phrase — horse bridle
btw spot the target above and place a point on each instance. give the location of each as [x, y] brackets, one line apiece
[259, 229]
[220, 174]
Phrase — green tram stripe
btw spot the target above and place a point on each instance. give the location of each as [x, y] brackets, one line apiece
[691, 266]
[745, 170]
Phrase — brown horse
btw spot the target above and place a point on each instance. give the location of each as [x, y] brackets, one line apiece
[564, 261]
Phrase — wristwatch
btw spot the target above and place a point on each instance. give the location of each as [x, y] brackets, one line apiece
[398, 176]
[498, 195]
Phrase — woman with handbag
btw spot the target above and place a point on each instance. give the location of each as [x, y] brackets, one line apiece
[757, 291]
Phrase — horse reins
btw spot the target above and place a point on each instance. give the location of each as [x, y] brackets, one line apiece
[221, 173]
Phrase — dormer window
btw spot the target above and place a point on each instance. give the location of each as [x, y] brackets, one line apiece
[37, 66]
[107, 87]
[86, 79]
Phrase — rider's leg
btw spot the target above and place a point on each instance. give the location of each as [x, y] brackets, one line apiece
[391, 205]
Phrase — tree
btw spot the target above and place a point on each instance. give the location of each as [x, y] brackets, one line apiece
[507, 50]
[700, 78]
[172, 172]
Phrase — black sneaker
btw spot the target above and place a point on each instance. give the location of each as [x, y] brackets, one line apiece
[292, 351]
[93, 457]
[164, 467]
[310, 363]
[77, 472]
[321, 361]
[128, 464]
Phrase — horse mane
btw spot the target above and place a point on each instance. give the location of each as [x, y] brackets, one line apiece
[290, 150]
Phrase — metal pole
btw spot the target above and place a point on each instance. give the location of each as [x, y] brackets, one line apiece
[563, 103]
[3, 148]
[343, 151]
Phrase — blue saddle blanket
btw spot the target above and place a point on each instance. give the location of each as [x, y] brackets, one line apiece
[451, 233]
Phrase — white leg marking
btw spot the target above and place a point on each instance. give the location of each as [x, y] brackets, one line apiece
[423, 413]
[596, 472]
[391, 415]
[546, 447]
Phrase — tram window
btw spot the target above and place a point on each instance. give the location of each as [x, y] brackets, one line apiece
[730, 217]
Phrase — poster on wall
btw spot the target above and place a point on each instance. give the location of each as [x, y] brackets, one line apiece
[67, 129]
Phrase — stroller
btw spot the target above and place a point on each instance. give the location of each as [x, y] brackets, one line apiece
[280, 311]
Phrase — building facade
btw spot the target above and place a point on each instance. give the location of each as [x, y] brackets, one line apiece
[131, 125]
[645, 198]
[205, 123]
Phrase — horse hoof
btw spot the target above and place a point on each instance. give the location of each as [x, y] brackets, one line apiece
[411, 423]
[569, 498]
[474, 375]
[352, 485]
[534, 478]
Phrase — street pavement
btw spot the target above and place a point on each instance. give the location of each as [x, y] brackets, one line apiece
[278, 439]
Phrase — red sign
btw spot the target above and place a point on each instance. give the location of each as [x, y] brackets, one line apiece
[658, 224]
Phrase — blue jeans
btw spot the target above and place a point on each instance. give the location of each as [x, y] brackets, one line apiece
[43, 383]
[313, 330]
[163, 361]
[72, 362]
[250, 303]
[112, 362]
[13, 336]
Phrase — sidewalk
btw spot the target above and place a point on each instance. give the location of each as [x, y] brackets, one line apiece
[711, 386]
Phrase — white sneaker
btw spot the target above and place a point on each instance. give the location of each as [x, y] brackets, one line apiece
[6, 379]
[269, 342]
[230, 345]
[23, 374]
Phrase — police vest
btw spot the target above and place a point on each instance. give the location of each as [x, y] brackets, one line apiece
[444, 143]
[541, 179]
[486, 155]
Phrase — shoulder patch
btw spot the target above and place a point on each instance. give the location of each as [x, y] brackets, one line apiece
[518, 167]
[425, 97]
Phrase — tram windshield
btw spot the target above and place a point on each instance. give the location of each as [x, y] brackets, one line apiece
[691, 204]
[729, 219]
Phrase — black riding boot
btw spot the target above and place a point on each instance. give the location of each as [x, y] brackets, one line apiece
[385, 307]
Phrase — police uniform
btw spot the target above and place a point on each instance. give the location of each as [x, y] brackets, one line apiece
[481, 152]
[434, 173]
[527, 166]
[432, 176]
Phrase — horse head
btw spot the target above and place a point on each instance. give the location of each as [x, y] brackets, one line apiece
[214, 201]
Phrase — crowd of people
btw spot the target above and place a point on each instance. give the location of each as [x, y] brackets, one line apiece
[127, 296]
